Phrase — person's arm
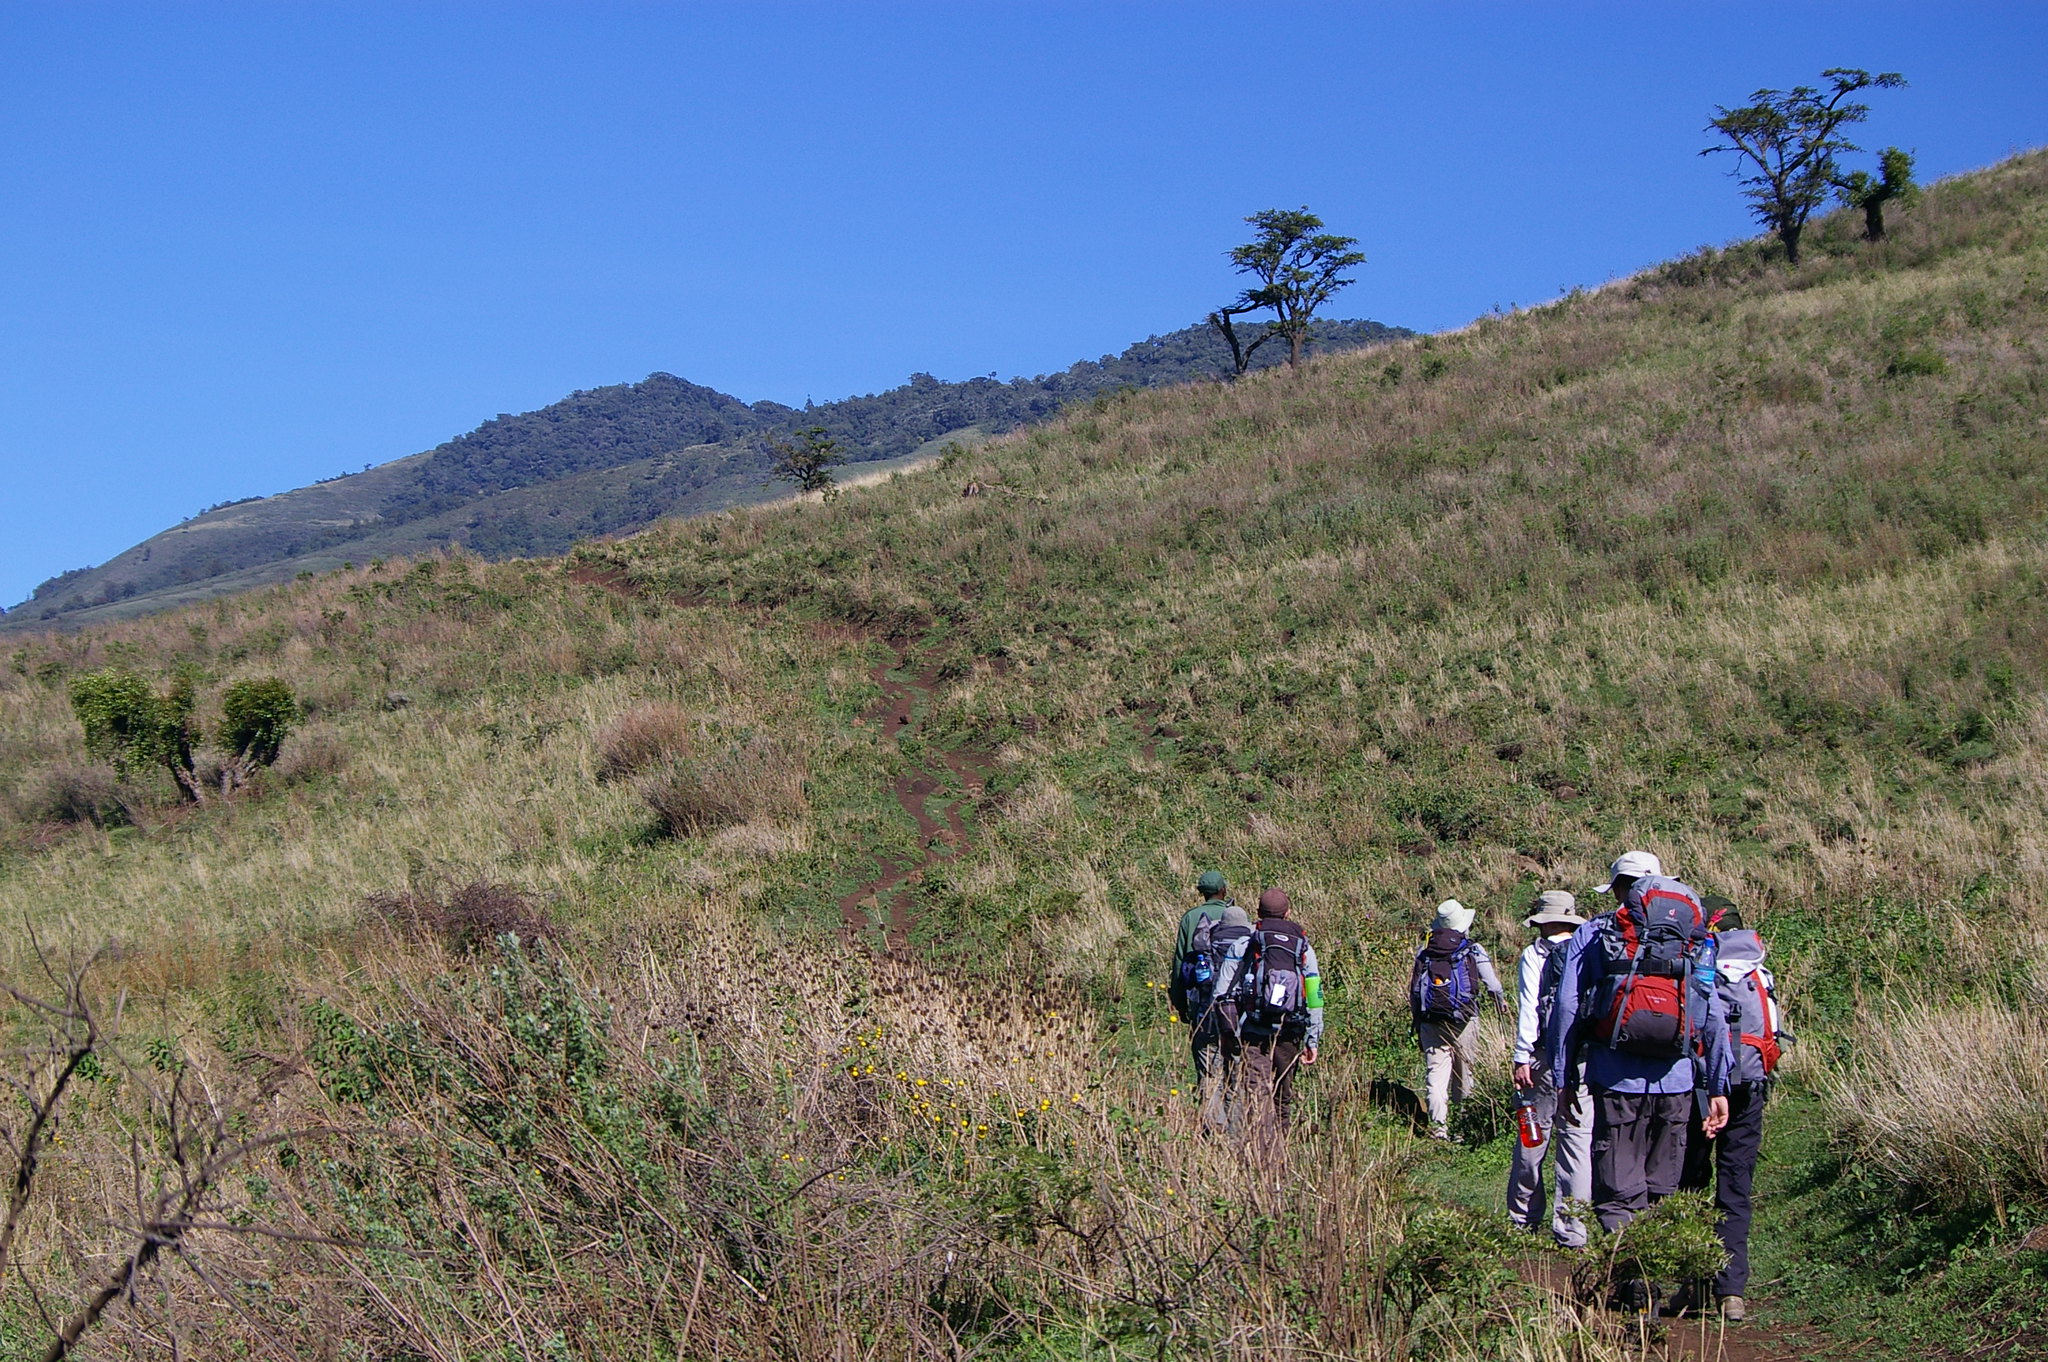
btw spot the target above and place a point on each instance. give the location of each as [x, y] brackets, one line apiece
[1489, 978]
[1312, 998]
[1564, 1015]
[1487, 974]
[1177, 987]
[1528, 984]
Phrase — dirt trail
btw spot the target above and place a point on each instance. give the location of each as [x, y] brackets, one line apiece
[954, 776]
[1694, 1338]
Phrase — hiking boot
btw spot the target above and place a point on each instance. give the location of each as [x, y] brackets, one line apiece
[1733, 1310]
[1440, 1133]
[1632, 1297]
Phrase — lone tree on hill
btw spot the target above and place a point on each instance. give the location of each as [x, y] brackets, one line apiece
[1893, 183]
[1789, 140]
[1299, 267]
[807, 466]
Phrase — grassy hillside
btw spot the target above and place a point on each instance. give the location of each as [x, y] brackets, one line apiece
[597, 462]
[1739, 563]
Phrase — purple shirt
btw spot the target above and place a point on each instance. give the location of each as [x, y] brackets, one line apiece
[1611, 1070]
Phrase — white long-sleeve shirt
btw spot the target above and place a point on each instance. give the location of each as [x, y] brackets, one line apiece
[1528, 994]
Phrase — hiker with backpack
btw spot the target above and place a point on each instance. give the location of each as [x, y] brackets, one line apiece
[1544, 1125]
[1443, 1007]
[1207, 932]
[1756, 1038]
[1271, 993]
[1637, 1003]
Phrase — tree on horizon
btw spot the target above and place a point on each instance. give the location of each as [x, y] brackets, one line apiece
[1791, 139]
[1299, 267]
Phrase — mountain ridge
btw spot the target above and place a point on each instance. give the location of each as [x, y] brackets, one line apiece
[618, 457]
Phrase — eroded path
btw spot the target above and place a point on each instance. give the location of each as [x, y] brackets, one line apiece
[937, 791]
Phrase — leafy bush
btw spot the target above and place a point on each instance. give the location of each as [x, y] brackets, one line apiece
[256, 718]
[129, 725]
[1670, 1243]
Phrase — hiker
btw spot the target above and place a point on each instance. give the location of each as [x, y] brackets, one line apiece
[1635, 996]
[1271, 989]
[1567, 1131]
[1443, 1005]
[1756, 1038]
[1197, 957]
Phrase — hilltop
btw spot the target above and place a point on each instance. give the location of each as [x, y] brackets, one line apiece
[595, 463]
[742, 939]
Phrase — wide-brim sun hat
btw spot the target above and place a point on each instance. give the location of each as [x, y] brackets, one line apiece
[1631, 865]
[1554, 906]
[1453, 915]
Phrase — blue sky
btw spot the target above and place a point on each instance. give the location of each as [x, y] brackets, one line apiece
[250, 246]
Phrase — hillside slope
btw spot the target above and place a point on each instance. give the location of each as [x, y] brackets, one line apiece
[592, 464]
[860, 829]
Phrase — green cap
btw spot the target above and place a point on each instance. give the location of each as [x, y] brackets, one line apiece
[1211, 882]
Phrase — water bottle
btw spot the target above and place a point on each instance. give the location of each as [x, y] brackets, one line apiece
[1203, 973]
[1531, 1132]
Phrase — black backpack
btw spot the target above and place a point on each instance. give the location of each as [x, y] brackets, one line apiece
[1272, 985]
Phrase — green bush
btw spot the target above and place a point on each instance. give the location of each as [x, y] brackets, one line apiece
[256, 718]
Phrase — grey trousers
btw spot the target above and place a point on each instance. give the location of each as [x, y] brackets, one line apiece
[1215, 1053]
[1638, 1151]
[1450, 1056]
[1569, 1135]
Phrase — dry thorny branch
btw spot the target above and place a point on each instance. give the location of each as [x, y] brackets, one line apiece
[192, 1134]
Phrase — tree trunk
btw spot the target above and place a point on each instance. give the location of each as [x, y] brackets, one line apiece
[1789, 234]
[1873, 220]
[187, 782]
[1297, 340]
[1238, 358]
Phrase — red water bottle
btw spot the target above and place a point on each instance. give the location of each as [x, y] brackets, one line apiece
[1532, 1133]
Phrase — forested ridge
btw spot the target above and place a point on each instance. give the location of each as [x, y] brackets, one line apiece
[598, 461]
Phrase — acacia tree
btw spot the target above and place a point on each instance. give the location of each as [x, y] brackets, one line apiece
[1788, 140]
[807, 465]
[1893, 183]
[1298, 266]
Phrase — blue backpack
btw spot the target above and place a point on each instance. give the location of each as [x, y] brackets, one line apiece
[1445, 985]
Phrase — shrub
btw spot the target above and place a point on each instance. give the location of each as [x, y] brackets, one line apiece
[754, 778]
[1673, 1241]
[472, 917]
[127, 724]
[76, 794]
[309, 755]
[642, 738]
[1950, 1100]
[256, 717]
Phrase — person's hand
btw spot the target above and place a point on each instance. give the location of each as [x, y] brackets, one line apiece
[1716, 1119]
[1308, 1056]
[1500, 1005]
[1568, 1099]
[1524, 1078]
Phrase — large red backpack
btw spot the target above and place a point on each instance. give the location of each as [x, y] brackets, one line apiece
[1648, 951]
